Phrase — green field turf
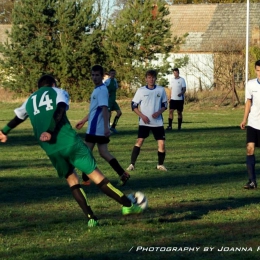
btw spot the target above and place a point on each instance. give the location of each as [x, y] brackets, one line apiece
[198, 209]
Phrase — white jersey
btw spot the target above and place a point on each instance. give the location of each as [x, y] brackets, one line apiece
[253, 93]
[99, 98]
[151, 101]
[176, 86]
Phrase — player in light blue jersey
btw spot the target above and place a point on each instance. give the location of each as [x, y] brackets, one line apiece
[98, 131]
[149, 103]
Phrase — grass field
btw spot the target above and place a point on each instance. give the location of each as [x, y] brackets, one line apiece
[198, 209]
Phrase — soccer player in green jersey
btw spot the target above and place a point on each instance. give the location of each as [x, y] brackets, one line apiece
[46, 109]
[112, 87]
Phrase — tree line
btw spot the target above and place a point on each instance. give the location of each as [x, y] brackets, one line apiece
[66, 37]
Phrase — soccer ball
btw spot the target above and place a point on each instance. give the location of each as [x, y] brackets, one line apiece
[139, 198]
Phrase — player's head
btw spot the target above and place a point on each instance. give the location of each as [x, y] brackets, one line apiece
[176, 72]
[150, 77]
[257, 69]
[152, 73]
[98, 68]
[97, 74]
[46, 81]
[112, 73]
[257, 63]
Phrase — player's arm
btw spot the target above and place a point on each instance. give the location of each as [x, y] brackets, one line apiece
[160, 111]
[7, 128]
[139, 113]
[246, 113]
[56, 123]
[82, 122]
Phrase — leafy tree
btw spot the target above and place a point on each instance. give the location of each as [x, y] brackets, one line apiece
[137, 38]
[6, 7]
[60, 37]
[209, 1]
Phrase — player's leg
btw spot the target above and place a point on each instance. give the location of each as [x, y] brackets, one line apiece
[104, 153]
[252, 141]
[159, 136]
[170, 118]
[106, 187]
[66, 169]
[81, 198]
[85, 178]
[179, 111]
[143, 132]
[82, 158]
[118, 115]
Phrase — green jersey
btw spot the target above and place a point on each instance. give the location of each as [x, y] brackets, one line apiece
[40, 108]
[112, 87]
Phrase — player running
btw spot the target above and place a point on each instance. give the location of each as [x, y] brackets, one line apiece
[46, 109]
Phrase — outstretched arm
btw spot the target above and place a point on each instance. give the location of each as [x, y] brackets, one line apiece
[7, 128]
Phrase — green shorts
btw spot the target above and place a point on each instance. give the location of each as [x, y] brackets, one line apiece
[77, 156]
[112, 105]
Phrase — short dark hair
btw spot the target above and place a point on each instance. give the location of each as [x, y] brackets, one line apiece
[112, 70]
[257, 63]
[98, 68]
[46, 80]
[176, 69]
[151, 73]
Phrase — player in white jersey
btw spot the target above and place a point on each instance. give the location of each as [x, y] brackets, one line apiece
[98, 131]
[178, 88]
[252, 115]
[152, 100]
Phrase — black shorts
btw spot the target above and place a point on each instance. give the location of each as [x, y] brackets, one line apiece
[158, 132]
[96, 139]
[253, 136]
[177, 104]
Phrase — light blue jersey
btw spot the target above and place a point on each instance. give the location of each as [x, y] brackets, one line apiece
[99, 98]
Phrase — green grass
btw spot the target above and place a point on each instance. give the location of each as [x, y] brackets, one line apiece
[200, 202]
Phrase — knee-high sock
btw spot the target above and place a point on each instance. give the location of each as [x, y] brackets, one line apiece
[250, 163]
[80, 196]
[115, 121]
[135, 153]
[179, 122]
[161, 157]
[116, 166]
[170, 122]
[114, 193]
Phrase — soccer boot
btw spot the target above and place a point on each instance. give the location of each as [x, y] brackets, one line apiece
[113, 130]
[250, 185]
[168, 128]
[92, 222]
[161, 168]
[131, 167]
[134, 209]
[124, 178]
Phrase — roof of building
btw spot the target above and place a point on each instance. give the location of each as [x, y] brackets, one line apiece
[215, 27]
